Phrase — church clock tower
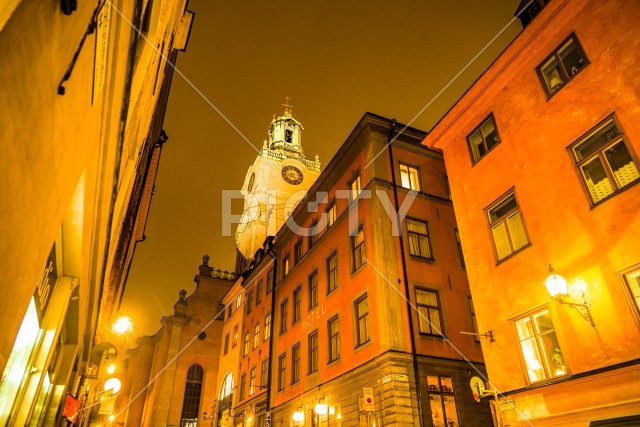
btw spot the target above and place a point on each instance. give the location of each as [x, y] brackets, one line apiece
[278, 179]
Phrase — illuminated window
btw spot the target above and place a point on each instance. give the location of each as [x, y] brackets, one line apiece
[332, 214]
[418, 238]
[333, 329]
[191, 400]
[363, 328]
[429, 316]
[238, 301]
[332, 273]
[313, 289]
[285, 265]
[256, 336]
[283, 315]
[264, 372]
[245, 349]
[267, 327]
[507, 227]
[604, 161]
[357, 249]
[442, 401]
[282, 371]
[313, 351]
[483, 139]
[632, 280]
[540, 348]
[563, 64]
[226, 392]
[234, 342]
[409, 177]
[354, 188]
[252, 380]
[295, 363]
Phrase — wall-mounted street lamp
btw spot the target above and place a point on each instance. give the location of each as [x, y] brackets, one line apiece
[559, 290]
[298, 415]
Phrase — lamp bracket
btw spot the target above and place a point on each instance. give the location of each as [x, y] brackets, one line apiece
[581, 308]
[488, 334]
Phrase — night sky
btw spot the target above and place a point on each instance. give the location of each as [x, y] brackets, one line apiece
[336, 61]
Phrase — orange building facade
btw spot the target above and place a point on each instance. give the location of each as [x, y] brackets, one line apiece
[542, 157]
[358, 307]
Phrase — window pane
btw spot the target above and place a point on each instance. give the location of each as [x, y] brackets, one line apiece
[597, 180]
[415, 181]
[596, 140]
[426, 297]
[622, 165]
[551, 73]
[437, 414]
[416, 226]
[414, 248]
[434, 317]
[516, 229]
[571, 58]
[532, 360]
[503, 208]
[476, 145]
[501, 240]
[450, 410]
[424, 246]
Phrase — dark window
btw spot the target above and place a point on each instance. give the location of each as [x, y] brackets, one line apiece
[315, 233]
[409, 177]
[442, 401]
[483, 139]
[243, 380]
[562, 65]
[357, 249]
[604, 161]
[297, 304]
[447, 187]
[259, 287]
[264, 374]
[418, 238]
[226, 344]
[529, 9]
[283, 315]
[363, 328]
[282, 371]
[270, 281]
[333, 329]
[313, 351]
[507, 226]
[297, 252]
[191, 400]
[249, 303]
[429, 315]
[474, 321]
[295, 363]
[313, 289]
[332, 273]
[456, 236]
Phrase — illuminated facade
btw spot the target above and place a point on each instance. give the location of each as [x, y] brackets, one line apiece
[542, 157]
[340, 302]
[82, 102]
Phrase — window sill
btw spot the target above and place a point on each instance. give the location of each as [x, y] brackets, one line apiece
[422, 259]
[333, 362]
[362, 346]
[612, 195]
[438, 337]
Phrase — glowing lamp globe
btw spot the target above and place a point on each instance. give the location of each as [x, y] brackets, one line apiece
[298, 416]
[112, 384]
[556, 285]
[122, 325]
[321, 408]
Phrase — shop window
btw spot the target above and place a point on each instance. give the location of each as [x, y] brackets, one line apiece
[444, 412]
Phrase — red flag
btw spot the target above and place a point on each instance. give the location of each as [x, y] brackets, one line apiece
[71, 408]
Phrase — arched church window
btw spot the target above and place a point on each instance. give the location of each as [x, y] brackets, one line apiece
[191, 401]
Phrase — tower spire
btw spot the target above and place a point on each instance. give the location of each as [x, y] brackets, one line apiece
[287, 107]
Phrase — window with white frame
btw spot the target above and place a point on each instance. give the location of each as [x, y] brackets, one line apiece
[442, 401]
[409, 177]
[604, 161]
[540, 348]
[507, 226]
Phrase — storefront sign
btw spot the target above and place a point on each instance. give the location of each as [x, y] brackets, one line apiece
[261, 406]
[368, 403]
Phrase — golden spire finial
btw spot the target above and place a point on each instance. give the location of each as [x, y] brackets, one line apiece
[287, 107]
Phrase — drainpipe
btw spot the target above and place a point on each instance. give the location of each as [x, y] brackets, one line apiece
[272, 253]
[404, 273]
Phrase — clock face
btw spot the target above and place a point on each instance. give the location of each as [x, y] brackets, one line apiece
[292, 175]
